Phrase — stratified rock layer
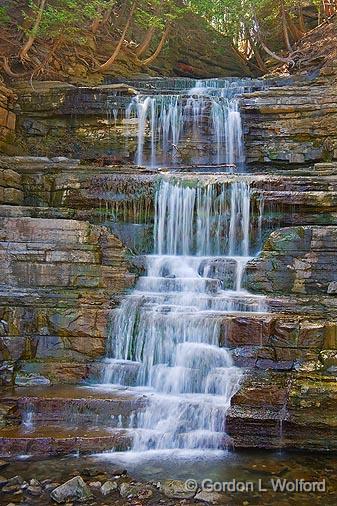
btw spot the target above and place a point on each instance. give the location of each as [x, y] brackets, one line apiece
[294, 125]
[59, 280]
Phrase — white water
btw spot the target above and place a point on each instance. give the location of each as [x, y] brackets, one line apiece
[164, 338]
[205, 118]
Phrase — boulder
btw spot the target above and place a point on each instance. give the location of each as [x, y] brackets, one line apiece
[74, 489]
[108, 487]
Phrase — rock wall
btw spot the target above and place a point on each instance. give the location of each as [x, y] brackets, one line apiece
[288, 396]
[10, 187]
[59, 119]
[297, 260]
[66, 227]
[295, 125]
[59, 280]
[7, 119]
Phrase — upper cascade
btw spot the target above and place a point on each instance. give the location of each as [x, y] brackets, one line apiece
[195, 121]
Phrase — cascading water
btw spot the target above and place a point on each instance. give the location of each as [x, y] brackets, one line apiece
[164, 338]
[201, 125]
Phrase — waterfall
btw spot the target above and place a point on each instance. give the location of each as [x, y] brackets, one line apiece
[204, 121]
[164, 338]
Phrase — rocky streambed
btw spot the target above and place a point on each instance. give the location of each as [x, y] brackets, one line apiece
[237, 478]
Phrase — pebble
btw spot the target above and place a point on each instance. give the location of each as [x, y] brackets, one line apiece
[3, 481]
[95, 484]
[3, 464]
[16, 480]
[34, 490]
[11, 489]
[51, 486]
[210, 497]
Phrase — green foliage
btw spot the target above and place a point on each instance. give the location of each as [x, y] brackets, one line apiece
[232, 16]
[66, 18]
[4, 16]
[156, 13]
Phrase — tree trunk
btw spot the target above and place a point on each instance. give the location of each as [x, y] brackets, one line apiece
[144, 46]
[259, 60]
[30, 41]
[97, 23]
[274, 55]
[301, 17]
[285, 27]
[294, 30]
[160, 46]
[108, 64]
[146, 42]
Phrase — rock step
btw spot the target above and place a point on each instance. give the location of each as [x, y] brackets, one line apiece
[57, 440]
[76, 405]
[278, 410]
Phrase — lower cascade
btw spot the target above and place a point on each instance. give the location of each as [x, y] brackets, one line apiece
[167, 339]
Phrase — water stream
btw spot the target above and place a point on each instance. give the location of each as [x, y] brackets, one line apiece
[165, 336]
[201, 124]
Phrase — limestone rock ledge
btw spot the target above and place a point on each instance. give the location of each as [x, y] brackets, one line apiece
[11, 191]
[279, 410]
[59, 280]
[298, 260]
[295, 124]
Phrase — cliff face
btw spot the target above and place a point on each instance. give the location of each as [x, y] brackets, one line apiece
[296, 124]
[60, 277]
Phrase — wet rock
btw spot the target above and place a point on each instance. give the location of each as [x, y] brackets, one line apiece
[210, 497]
[3, 464]
[51, 486]
[95, 484]
[35, 483]
[74, 489]
[23, 380]
[16, 480]
[176, 489]
[3, 481]
[139, 490]
[108, 487]
[101, 477]
[292, 124]
[298, 260]
[11, 489]
[90, 471]
[332, 288]
[34, 490]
